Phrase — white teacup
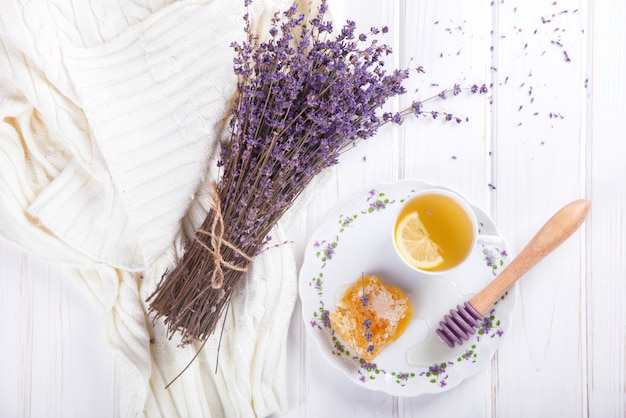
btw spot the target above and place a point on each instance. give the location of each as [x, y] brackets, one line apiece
[450, 225]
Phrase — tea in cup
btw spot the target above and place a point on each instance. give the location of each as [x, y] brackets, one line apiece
[435, 231]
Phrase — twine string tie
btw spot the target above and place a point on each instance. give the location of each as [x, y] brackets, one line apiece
[217, 241]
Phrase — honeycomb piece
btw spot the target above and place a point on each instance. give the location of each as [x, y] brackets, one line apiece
[367, 325]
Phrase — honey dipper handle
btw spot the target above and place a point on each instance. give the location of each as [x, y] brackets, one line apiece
[558, 228]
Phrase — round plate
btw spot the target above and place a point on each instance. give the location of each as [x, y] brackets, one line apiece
[356, 239]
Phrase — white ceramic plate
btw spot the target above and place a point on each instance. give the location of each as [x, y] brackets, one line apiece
[355, 239]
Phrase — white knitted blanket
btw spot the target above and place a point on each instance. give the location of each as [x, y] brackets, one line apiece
[110, 116]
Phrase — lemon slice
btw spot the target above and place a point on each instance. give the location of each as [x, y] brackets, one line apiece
[415, 245]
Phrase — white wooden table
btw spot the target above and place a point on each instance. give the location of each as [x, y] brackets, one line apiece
[550, 131]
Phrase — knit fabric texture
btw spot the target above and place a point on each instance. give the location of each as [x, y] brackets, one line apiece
[112, 113]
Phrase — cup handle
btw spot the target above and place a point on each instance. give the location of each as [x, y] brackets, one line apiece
[494, 240]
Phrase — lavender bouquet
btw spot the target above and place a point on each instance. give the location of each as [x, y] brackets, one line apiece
[303, 96]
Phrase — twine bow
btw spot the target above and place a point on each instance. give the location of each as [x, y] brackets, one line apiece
[217, 240]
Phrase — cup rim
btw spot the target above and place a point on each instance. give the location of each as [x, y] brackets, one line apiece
[463, 203]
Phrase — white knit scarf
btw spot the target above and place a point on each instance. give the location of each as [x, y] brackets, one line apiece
[111, 113]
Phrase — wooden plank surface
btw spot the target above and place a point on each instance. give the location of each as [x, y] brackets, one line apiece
[548, 132]
[55, 360]
[605, 175]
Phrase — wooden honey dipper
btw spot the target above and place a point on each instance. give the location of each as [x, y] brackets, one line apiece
[462, 322]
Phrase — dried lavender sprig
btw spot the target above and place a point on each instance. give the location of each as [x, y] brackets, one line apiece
[294, 103]
[417, 107]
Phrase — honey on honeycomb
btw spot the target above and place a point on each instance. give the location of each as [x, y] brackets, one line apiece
[367, 325]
